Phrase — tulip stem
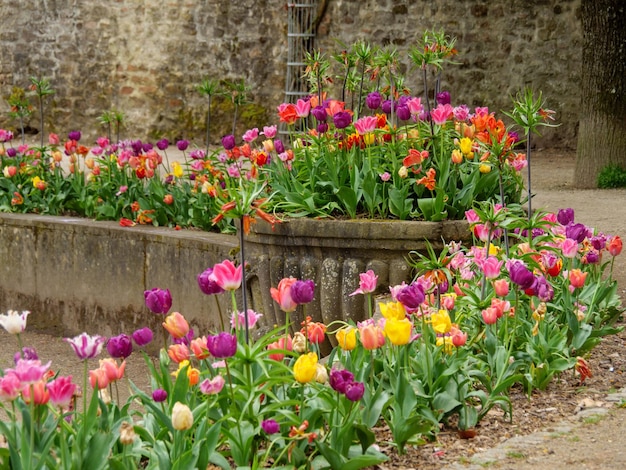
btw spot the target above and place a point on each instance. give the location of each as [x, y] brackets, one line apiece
[243, 280]
[31, 449]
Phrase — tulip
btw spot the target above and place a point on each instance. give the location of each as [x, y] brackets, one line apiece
[193, 374]
[520, 274]
[227, 276]
[199, 348]
[443, 97]
[176, 325]
[398, 331]
[212, 386]
[299, 342]
[14, 322]
[85, 346]
[40, 393]
[459, 338]
[577, 278]
[339, 379]
[112, 370]
[544, 290]
[490, 267]
[373, 100]
[501, 286]
[30, 371]
[159, 395]
[305, 368]
[10, 386]
[565, 216]
[182, 418]
[158, 300]
[282, 294]
[355, 391]
[576, 232]
[316, 332]
[98, 378]
[222, 345]
[26, 353]
[142, 336]
[178, 353]
[346, 338]
[321, 374]
[270, 426]
[342, 119]
[239, 319]
[208, 285]
[127, 433]
[279, 146]
[280, 344]
[490, 315]
[411, 296]
[371, 336]
[367, 283]
[182, 145]
[302, 291]
[74, 135]
[120, 346]
[615, 245]
[61, 391]
[163, 144]
[441, 322]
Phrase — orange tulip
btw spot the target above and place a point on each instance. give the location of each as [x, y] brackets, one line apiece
[176, 325]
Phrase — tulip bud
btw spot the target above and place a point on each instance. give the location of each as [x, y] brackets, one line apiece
[182, 418]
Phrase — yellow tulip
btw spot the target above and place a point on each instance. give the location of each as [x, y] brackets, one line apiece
[393, 310]
[305, 368]
[177, 169]
[484, 168]
[398, 331]
[446, 342]
[466, 145]
[346, 338]
[441, 322]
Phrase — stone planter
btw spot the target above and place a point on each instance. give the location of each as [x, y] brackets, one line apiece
[79, 275]
[333, 253]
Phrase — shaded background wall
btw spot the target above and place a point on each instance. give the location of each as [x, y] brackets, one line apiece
[146, 57]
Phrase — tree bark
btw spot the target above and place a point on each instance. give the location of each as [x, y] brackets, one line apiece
[602, 131]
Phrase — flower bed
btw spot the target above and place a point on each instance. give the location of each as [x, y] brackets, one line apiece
[476, 321]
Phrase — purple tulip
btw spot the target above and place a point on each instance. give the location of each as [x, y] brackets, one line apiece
[11, 152]
[443, 98]
[386, 106]
[373, 100]
[302, 292]
[74, 135]
[565, 216]
[322, 127]
[411, 296]
[520, 274]
[142, 336]
[228, 142]
[207, 283]
[592, 257]
[576, 232]
[342, 119]
[27, 353]
[158, 300]
[355, 391]
[403, 113]
[544, 290]
[137, 146]
[182, 145]
[270, 426]
[120, 346]
[159, 395]
[319, 113]
[279, 146]
[222, 345]
[598, 242]
[163, 144]
[339, 379]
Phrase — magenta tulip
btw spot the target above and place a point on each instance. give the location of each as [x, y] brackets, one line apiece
[227, 276]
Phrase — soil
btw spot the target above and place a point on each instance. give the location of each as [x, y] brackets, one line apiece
[567, 426]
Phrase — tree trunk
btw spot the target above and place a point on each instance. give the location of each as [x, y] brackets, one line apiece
[602, 131]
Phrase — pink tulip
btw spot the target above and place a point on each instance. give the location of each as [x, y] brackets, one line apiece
[227, 276]
[98, 379]
[491, 267]
[239, 319]
[30, 371]
[501, 287]
[366, 124]
[212, 386]
[282, 294]
[10, 386]
[569, 248]
[303, 108]
[61, 391]
[280, 344]
[490, 315]
[112, 369]
[367, 283]
[441, 114]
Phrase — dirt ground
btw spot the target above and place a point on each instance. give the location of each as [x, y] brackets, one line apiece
[592, 443]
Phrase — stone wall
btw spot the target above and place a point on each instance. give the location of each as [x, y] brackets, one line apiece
[145, 57]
